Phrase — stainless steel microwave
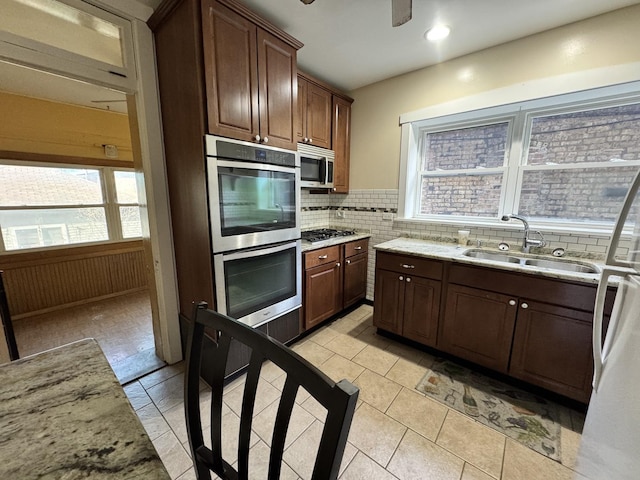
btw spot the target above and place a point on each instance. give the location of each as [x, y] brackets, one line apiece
[316, 166]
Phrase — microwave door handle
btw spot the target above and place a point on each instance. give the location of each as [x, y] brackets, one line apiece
[323, 171]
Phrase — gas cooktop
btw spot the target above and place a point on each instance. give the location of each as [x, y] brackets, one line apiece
[315, 236]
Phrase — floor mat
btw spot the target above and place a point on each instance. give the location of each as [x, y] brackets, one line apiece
[525, 417]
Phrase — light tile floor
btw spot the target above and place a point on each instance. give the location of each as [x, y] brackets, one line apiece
[397, 432]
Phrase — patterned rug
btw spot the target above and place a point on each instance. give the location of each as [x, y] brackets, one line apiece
[525, 417]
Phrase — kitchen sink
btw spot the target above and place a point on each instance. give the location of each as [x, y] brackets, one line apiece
[550, 263]
[497, 257]
[562, 265]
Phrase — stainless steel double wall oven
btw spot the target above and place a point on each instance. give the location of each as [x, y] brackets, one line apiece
[254, 204]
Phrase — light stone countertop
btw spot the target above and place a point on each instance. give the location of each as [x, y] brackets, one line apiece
[308, 246]
[64, 415]
[454, 253]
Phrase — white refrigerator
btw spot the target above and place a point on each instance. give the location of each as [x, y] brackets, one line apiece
[610, 445]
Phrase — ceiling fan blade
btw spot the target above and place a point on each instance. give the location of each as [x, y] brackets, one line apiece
[400, 12]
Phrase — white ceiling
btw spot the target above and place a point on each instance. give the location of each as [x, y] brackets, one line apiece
[350, 43]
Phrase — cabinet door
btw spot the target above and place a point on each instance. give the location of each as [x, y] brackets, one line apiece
[278, 91]
[478, 326]
[322, 297]
[231, 72]
[552, 349]
[301, 120]
[355, 279]
[341, 143]
[421, 310]
[319, 108]
[388, 301]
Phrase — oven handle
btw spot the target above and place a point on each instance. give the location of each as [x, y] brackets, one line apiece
[251, 165]
[260, 251]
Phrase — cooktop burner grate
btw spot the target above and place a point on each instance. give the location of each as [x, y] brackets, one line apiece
[321, 234]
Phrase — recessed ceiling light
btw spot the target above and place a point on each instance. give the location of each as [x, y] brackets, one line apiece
[437, 33]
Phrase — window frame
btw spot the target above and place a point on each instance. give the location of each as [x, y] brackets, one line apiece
[40, 55]
[522, 114]
[110, 205]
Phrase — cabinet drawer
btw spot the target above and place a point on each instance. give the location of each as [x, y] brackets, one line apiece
[321, 256]
[422, 267]
[354, 248]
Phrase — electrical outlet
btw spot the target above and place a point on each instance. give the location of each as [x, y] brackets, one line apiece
[340, 214]
[387, 216]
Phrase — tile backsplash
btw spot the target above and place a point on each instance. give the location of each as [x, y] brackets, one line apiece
[375, 212]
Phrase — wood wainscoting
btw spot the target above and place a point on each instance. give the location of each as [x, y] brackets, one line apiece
[43, 281]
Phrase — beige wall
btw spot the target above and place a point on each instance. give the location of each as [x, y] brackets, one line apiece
[44, 127]
[604, 41]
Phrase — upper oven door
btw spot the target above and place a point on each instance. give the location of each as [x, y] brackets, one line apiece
[252, 204]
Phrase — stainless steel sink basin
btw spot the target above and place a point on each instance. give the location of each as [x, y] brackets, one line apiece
[550, 263]
[562, 265]
[497, 257]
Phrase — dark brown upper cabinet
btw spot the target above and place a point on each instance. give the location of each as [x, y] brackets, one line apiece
[314, 114]
[251, 79]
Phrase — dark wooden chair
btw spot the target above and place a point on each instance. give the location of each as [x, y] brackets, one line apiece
[7, 325]
[338, 398]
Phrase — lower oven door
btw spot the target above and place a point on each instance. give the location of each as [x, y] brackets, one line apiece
[257, 285]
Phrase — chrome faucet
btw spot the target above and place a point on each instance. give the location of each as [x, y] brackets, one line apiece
[527, 242]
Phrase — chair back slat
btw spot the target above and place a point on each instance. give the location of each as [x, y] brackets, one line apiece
[336, 431]
[285, 409]
[338, 398]
[246, 416]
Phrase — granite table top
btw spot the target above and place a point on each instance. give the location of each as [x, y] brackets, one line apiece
[64, 415]
[455, 253]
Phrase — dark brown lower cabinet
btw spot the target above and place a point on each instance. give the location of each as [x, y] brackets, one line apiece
[552, 349]
[335, 278]
[421, 309]
[407, 297]
[355, 279]
[323, 299]
[478, 326]
[533, 328]
[388, 301]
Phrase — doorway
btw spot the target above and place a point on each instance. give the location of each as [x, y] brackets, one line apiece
[71, 238]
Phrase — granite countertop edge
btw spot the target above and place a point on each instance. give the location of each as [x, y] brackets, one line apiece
[454, 253]
[308, 246]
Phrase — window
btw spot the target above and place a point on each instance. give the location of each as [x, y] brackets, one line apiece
[70, 35]
[559, 165]
[42, 206]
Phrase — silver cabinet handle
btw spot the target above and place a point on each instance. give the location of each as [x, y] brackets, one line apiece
[338, 264]
[265, 140]
[257, 138]
[305, 140]
[524, 305]
[408, 279]
[512, 302]
[357, 248]
[400, 278]
[322, 257]
[310, 140]
[348, 261]
[404, 265]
